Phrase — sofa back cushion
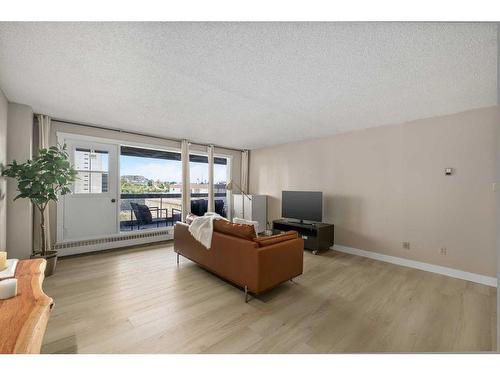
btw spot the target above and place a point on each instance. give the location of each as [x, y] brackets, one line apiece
[244, 231]
[271, 240]
[255, 224]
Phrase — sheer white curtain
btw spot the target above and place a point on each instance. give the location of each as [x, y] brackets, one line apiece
[210, 150]
[244, 171]
[43, 142]
[186, 185]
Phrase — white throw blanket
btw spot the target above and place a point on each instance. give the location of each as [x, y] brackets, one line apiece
[202, 227]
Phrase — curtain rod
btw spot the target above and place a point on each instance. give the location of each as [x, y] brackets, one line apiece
[137, 133]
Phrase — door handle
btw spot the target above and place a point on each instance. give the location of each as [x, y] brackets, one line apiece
[113, 200]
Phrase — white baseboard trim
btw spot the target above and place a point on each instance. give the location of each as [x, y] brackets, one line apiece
[452, 272]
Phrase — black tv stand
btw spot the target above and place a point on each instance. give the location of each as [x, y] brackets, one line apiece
[292, 222]
[304, 223]
[317, 236]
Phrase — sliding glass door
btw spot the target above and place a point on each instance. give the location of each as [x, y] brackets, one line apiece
[125, 188]
[198, 172]
[151, 188]
[222, 175]
[198, 175]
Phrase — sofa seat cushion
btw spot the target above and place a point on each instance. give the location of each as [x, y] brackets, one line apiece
[244, 231]
[277, 238]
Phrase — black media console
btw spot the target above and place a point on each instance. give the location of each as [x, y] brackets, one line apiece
[318, 236]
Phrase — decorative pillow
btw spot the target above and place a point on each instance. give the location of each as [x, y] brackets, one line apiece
[255, 224]
[244, 231]
[271, 240]
[189, 218]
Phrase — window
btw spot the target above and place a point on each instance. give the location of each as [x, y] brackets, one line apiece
[221, 178]
[92, 168]
[198, 174]
[151, 188]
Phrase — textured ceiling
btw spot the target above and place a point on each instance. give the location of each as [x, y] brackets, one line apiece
[248, 85]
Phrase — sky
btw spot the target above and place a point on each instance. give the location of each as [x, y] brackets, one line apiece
[169, 170]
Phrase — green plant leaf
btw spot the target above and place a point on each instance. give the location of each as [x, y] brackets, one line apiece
[41, 178]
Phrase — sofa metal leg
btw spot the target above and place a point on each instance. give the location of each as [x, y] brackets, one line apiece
[177, 258]
[246, 294]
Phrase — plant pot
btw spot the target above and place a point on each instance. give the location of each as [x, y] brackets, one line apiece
[51, 258]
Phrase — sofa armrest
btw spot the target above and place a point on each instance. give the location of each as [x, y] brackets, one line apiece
[280, 262]
[182, 237]
[277, 238]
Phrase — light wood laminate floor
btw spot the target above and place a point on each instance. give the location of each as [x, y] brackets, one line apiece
[139, 301]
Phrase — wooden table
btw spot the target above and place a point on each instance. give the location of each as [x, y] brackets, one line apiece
[23, 319]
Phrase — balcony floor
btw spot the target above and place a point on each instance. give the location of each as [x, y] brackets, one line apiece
[127, 227]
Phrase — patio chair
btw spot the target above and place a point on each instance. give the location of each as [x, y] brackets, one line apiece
[219, 207]
[176, 216]
[199, 206]
[143, 215]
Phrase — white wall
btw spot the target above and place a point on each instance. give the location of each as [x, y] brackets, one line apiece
[19, 212]
[3, 161]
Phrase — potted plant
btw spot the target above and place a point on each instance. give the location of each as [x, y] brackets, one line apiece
[42, 180]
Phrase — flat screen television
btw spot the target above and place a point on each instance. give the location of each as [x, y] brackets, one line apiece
[302, 205]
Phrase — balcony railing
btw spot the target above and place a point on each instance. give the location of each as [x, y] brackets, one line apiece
[165, 208]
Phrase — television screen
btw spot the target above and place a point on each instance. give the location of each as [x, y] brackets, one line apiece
[302, 205]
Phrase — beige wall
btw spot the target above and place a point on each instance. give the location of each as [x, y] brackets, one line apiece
[19, 212]
[385, 185]
[3, 161]
[498, 190]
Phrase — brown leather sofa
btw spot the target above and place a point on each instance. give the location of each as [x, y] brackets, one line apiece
[256, 265]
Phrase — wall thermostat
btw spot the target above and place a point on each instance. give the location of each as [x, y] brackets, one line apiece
[448, 171]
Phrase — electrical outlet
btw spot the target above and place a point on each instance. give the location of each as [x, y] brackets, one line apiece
[443, 251]
[406, 245]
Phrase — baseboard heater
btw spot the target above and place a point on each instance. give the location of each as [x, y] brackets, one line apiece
[119, 240]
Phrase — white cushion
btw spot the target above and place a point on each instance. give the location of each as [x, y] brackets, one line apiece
[255, 224]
